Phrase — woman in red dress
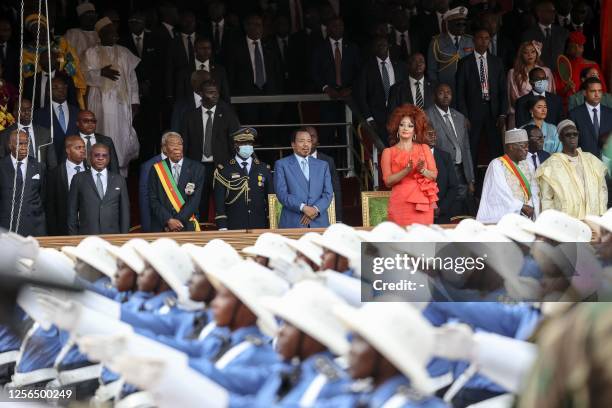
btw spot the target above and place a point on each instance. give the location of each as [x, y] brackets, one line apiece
[409, 168]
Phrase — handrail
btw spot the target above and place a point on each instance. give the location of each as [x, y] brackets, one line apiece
[281, 98]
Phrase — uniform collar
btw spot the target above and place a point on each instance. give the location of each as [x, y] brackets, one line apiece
[239, 160]
[240, 335]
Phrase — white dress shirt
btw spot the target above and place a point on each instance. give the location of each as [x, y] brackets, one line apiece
[31, 136]
[24, 166]
[204, 120]
[138, 42]
[590, 109]
[250, 43]
[398, 40]
[333, 45]
[64, 108]
[199, 63]
[92, 140]
[389, 69]
[249, 161]
[180, 169]
[70, 170]
[44, 86]
[104, 177]
[543, 29]
[170, 29]
[530, 161]
[197, 99]
[220, 26]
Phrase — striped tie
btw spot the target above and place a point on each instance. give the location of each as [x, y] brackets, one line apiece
[419, 95]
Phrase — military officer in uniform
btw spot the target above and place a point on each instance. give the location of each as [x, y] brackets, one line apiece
[241, 187]
[447, 48]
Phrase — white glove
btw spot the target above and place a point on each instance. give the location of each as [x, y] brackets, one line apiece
[96, 302]
[344, 286]
[20, 247]
[64, 314]
[455, 342]
[292, 272]
[143, 372]
[28, 301]
[103, 348]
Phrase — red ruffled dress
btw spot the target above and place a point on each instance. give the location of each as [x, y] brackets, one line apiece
[413, 199]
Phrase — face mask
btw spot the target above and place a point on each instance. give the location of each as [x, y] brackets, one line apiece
[540, 86]
[245, 151]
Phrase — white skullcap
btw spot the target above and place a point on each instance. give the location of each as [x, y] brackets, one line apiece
[84, 8]
[563, 124]
[103, 22]
[515, 136]
[456, 13]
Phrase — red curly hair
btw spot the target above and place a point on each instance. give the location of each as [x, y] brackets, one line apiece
[416, 115]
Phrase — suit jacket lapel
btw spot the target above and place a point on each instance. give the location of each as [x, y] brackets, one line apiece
[90, 180]
[63, 177]
[297, 169]
[183, 178]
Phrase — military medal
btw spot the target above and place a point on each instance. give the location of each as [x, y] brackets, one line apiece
[260, 180]
[189, 189]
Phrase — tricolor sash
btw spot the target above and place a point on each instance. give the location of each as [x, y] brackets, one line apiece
[514, 169]
[172, 191]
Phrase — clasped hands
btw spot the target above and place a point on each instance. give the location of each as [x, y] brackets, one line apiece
[174, 225]
[420, 166]
[310, 213]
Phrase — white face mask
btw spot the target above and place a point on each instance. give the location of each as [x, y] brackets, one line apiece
[245, 151]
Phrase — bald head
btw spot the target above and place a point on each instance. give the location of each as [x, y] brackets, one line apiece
[75, 149]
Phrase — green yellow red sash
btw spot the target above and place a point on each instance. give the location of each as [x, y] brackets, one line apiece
[172, 191]
[514, 169]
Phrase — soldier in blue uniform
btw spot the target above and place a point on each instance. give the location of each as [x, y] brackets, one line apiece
[446, 49]
[241, 187]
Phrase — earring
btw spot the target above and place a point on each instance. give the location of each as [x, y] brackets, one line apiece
[414, 137]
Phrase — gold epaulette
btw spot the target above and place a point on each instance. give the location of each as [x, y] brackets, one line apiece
[240, 185]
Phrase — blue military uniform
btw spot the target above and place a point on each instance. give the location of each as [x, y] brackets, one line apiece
[241, 363]
[316, 378]
[241, 189]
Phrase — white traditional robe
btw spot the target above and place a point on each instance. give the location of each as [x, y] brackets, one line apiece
[111, 101]
[81, 40]
[502, 193]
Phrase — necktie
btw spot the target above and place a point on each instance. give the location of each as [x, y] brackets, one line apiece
[18, 187]
[226, 344]
[305, 169]
[99, 185]
[260, 80]
[31, 150]
[547, 36]
[245, 170]
[61, 118]
[190, 52]
[176, 171]
[595, 122]
[454, 140]
[385, 79]
[138, 39]
[202, 67]
[457, 43]
[338, 63]
[208, 135]
[484, 86]
[419, 96]
[87, 146]
[19, 175]
[535, 161]
[77, 169]
[216, 36]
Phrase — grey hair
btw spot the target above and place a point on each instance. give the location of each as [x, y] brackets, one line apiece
[167, 135]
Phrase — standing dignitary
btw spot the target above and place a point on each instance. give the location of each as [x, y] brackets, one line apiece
[510, 185]
[481, 95]
[303, 185]
[175, 189]
[98, 201]
[415, 89]
[58, 185]
[85, 36]
[447, 48]
[446, 180]
[551, 36]
[592, 118]
[40, 146]
[241, 187]
[21, 189]
[207, 136]
[377, 77]
[113, 91]
[452, 137]
[86, 124]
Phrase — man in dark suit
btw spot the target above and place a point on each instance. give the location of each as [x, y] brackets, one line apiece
[301, 48]
[314, 136]
[482, 96]
[9, 52]
[17, 169]
[145, 46]
[446, 180]
[40, 90]
[303, 186]
[539, 84]
[165, 33]
[517, 20]
[98, 201]
[403, 41]
[590, 27]
[415, 89]
[207, 137]
[181, 51]
[430, 23]
[335, 69]
[189, 178]
[40, 143]
[242, 186]
[218, 30]
[58, 185]
[592, 119]
[379, 74]
[551, 36]
[64, 115]
[500, 45]
[86, 124]
[536, 154]
[280, 45]
[191, 102]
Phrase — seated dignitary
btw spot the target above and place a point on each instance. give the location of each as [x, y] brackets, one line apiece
[539, 88]
[241, 186]
[21, 189]
[509, 185]
[536, 154]
[175, 186]
[303, 185]
[446, 180]
[143, 184]
[98, 201]
[58, 184]
[573, 181]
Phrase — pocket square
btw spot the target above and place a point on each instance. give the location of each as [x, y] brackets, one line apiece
[36, 177]
[117, 188]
